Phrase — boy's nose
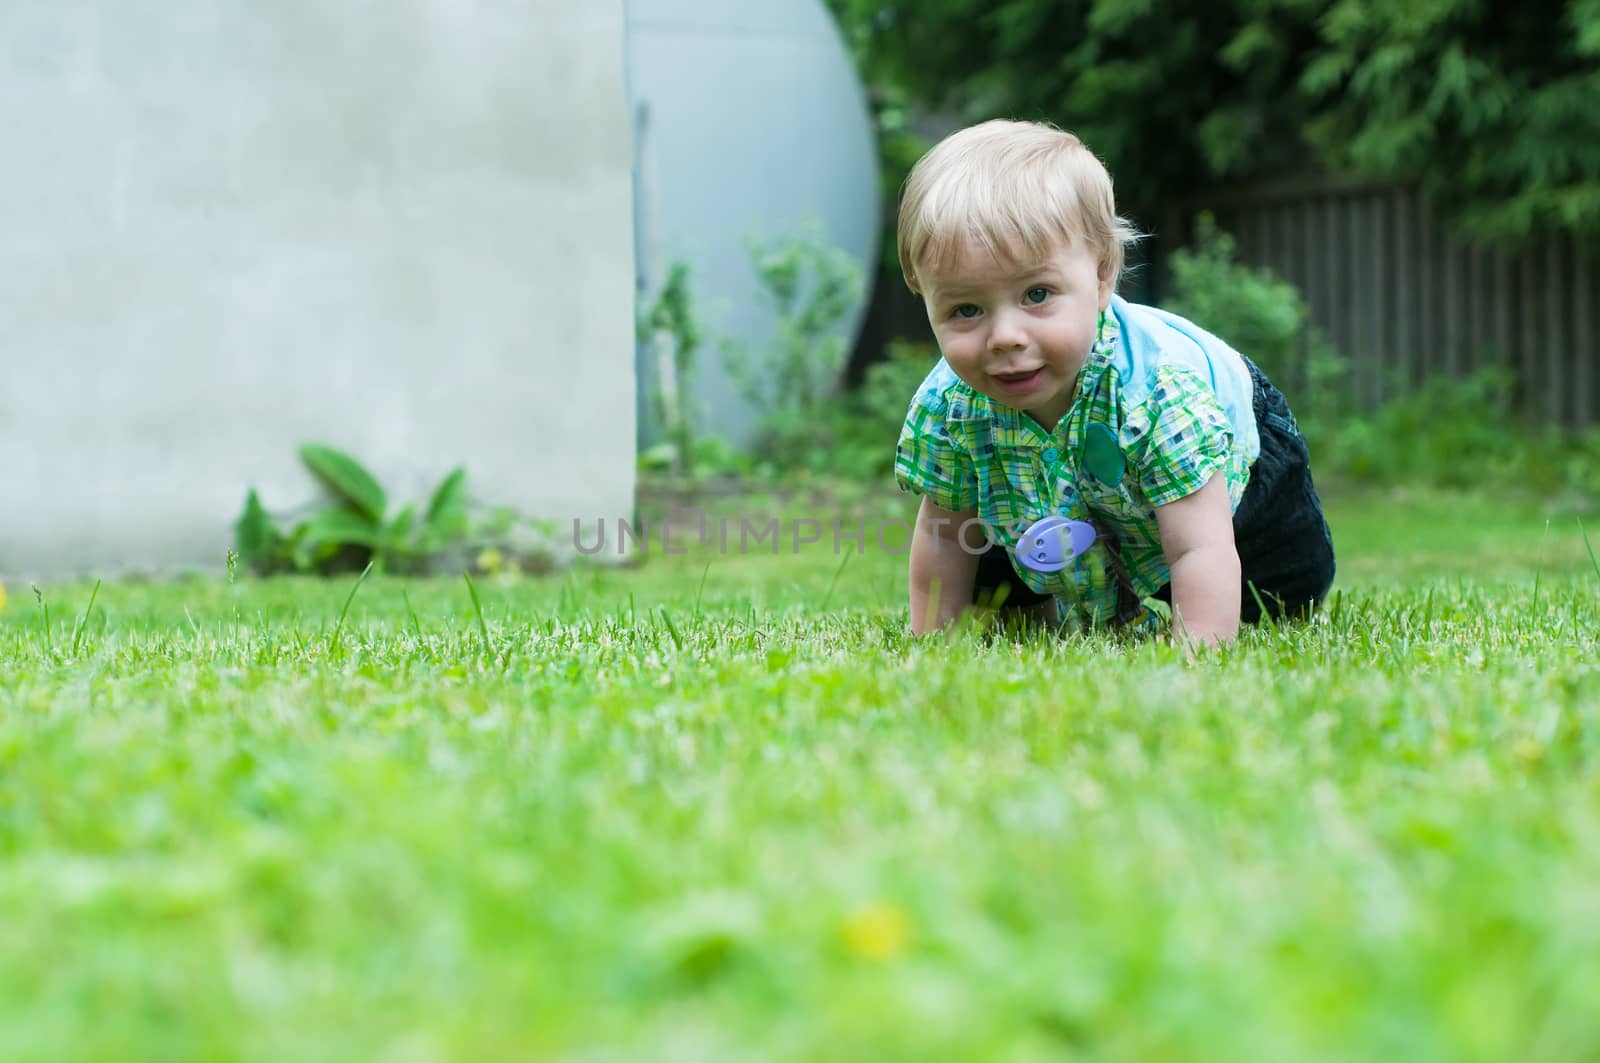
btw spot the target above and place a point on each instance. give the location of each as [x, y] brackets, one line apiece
[1004, 335]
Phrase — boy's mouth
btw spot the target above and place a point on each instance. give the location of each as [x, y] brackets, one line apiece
[1017, 381]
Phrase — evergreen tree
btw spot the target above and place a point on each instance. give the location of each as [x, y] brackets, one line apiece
[1494, 108]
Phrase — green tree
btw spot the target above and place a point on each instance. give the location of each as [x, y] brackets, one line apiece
[1171, 97]
[1495, 108]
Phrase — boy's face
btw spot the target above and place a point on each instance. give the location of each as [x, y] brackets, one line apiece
[1018, 331]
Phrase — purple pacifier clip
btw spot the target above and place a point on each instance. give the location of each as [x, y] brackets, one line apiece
[1050, 543]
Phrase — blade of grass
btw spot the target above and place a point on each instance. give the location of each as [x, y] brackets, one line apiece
[1589, 547]
[1539, 570]
[338, 629]
[702, 590]
[38, 596]
[416, 625]
[1270, 621]
[828, 597]
[676, 641]
[77, 635]
[483, 625]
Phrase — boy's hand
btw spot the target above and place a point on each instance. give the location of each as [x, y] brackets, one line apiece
[941, 571]
[1197, 538]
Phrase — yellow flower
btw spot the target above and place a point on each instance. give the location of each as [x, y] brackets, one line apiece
[2, 597]
[491, 560]
[879, 931]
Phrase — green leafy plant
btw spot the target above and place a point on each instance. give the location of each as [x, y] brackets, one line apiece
[671, 326]
[1463, 433]
[813, 286]
[1455, 432]
[1490, 107]
[1252, 310]
[856, 437]
[355, 528]
[1447, 432]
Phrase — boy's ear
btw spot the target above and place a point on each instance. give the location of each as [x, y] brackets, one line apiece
[1108, 284]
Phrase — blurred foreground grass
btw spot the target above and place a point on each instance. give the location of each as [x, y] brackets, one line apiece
[722, 808]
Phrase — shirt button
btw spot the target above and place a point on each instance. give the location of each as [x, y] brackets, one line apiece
[1051, 455]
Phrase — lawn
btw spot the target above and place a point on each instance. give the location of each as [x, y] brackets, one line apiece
[721, 807]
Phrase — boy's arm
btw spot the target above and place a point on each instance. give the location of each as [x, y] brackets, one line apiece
[1197, 538]
[939, 566]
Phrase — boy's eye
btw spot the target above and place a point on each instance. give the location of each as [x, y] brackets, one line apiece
[966, 310]
[1035, 296]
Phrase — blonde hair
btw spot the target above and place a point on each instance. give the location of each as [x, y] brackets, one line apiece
[1017, 188]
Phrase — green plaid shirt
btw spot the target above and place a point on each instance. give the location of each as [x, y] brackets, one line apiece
[1159, 408]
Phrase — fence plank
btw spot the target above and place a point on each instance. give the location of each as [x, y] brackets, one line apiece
[1405, 288]
[1427, 290]
[1263, 238]
[1505, 298]
[1316, 268]
[1584, 351]
[1328, 265]
[1555, 334]
[1358, 257]
[1377, 285]
[1454, 307]
[1305, 255]
[1283, 240]
[1528, 318]
[1480, 302]
[1257, 229]
[1391, 289]
[1274, 257]
[1347, 237]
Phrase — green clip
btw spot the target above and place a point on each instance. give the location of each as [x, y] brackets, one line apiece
[1102, 456]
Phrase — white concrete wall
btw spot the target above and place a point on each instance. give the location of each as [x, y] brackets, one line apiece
[231, 226]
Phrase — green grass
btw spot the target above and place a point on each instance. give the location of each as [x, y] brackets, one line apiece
[684, 812]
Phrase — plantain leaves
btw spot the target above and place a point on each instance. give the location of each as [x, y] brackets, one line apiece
[347, 479]
[356, 529]
[446, 518]
[341, 527]
[254, 535]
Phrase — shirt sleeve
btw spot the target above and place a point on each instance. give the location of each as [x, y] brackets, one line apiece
[1189, 438]
[928, 462]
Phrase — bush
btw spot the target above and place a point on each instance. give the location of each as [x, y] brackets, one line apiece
[1462, 433]
[792, 382]
[863, 427]
[850, 437]
[354, 524]
[1451, 432]
[671, 330]
[1261, 316]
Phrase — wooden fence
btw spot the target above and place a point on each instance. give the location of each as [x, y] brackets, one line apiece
[1403, 299]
